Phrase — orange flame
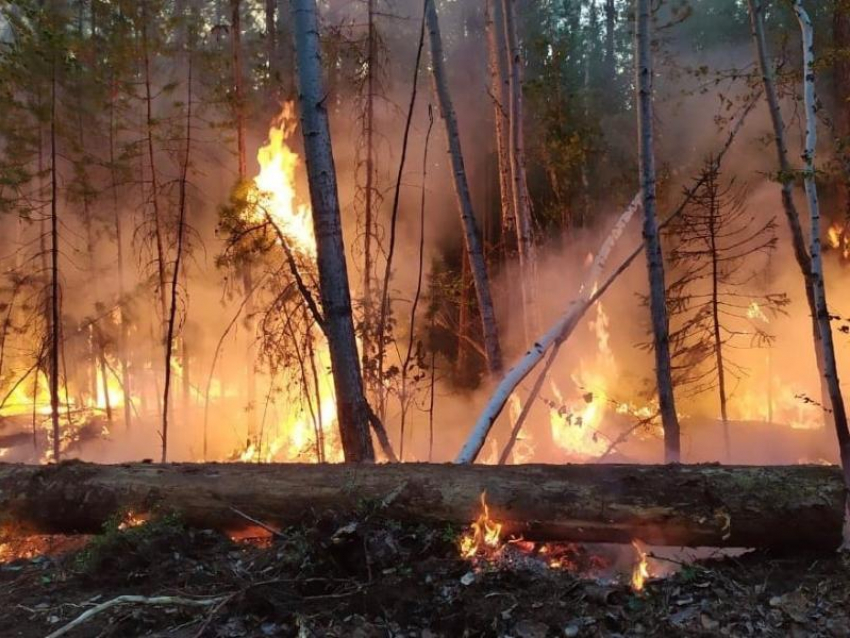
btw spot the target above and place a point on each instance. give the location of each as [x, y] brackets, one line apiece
[640, 573]
[485, 533]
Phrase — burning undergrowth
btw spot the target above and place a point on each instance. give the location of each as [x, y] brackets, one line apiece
[369, 576]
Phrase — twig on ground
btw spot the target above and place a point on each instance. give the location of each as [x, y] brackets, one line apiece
[271, 530]
[136, 600]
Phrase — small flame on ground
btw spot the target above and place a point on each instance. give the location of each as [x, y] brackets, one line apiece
[640, 574]
[132, 519]
[485, 534]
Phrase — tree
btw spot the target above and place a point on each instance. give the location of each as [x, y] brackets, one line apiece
[471, 236]
[654, 260]
[824, 326]
[352, 410]
[711, 305]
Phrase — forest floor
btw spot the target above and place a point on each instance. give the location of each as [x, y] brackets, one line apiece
[375, 578]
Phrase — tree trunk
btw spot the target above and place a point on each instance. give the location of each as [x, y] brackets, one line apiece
[830, 368]
[55, 315]
[178, 258]
[654, 259]
[786, 179]
[692, 505]
[242, 166]
[271, 41]
[713, 230]
[471, 235]
[352, 411]
[610, 59]
[119, 243]
[522, 204]
[499, 83]
[554, 337]
[841, 84]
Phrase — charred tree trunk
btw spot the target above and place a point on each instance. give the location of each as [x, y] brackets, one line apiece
[715, 314]
[654, 259]
[368, 214]
[472, 239]
[352, 410]
[830, 367]
[693, 505]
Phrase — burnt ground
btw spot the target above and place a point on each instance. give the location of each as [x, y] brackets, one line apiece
[371, 577]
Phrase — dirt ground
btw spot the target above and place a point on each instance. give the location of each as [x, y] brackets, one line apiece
[374, 578]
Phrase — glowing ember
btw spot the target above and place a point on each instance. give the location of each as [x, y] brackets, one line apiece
[132, 519]
[640, 574]
[485, 534]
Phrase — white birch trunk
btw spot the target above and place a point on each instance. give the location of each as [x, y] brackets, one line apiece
[786, 178]
[470, 227]
[522, 206]
[830, 369]
[588, 293]
[352, 411]
[654, 259]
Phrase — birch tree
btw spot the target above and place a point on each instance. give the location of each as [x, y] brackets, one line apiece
[471, 236]
[830, 368]
[654, 260]
[521, 201]
[352, 410]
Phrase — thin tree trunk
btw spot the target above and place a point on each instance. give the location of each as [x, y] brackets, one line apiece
[271, 40]
[522, 204]
[159, 231]
[654, 260]
[715, 316]
[830, 369]
[352, 410]
[242, 163]
[119, 243]
[471, 236]
[841, 84]
[786, 179]
[368, 212]
[55, 314]
[610, 25]
[181, 238]
[499, 83]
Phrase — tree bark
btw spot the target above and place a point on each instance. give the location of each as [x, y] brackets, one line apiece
[352, 411]
[554, 337]
[471, 235]
[692, 505]
[55, 314]
[830, 368]
[786, 178]
[654, 259]
[610, 60]
[496, 59]
[522, 204]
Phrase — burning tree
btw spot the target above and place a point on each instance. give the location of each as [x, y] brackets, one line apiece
[710, 306]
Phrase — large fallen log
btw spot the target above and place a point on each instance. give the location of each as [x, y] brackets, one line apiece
[695, 505]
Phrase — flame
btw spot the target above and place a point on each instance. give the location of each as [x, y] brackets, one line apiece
[754, 311]
[838, 238]
[132, 519]
[275, 191]
[640, 573]
[297, 435]
[485, 533]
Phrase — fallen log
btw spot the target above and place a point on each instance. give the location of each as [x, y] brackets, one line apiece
[693, 505]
